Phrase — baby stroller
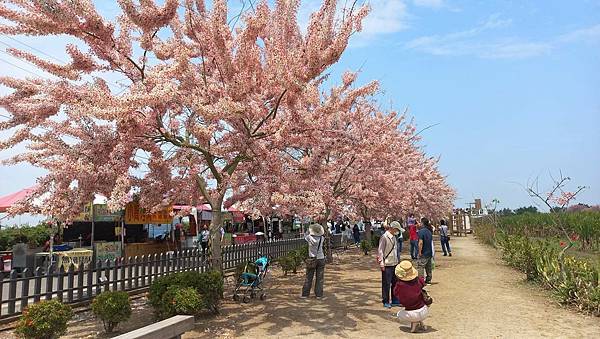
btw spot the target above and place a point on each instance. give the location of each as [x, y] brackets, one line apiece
[251, 280]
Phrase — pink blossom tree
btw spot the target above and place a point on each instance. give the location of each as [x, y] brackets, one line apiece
[205, 99]
[352, 159]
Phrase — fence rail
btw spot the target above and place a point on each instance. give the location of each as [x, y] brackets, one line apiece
[124, 274]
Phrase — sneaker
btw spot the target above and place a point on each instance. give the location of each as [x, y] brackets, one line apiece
[387, 305]
[445, 254]
[303, 297]
[397, 305]
[320, 298]
[450, 254]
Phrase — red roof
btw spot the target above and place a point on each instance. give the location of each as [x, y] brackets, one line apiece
[8, 200]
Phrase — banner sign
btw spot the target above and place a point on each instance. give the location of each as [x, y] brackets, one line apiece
[101, 213]
[135, 215]
[108, 250]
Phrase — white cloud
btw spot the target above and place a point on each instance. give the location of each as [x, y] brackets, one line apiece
[387, 16]
[435, 4]
[474, 42]
[587, 35]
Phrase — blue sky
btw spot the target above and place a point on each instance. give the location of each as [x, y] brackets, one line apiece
[512, 86]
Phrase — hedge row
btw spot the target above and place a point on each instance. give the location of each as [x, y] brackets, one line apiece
[573, 281]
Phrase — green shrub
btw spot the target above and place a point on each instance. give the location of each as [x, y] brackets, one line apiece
[374, 241]
[112, 308]
[181, 300]
[365, 246]
[46, 319]
[209, 286]
[35, 236]
[287, 264]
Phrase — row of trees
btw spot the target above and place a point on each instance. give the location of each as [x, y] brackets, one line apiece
[215, 108]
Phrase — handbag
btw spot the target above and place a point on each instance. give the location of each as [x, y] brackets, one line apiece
[311, 262]
[426, 298]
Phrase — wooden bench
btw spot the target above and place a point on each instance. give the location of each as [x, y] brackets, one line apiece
[173, 327]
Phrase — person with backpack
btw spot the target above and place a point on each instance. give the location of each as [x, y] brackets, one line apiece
[409, 292]
[315, 263]
[387, 256]
[445, 238]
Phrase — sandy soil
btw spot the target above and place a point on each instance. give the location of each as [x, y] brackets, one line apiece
[475, 296]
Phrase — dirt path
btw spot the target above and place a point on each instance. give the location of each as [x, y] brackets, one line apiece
[475, 297]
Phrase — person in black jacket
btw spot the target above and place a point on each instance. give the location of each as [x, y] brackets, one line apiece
[356, 234]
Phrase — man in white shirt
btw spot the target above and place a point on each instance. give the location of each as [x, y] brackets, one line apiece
[387, 255]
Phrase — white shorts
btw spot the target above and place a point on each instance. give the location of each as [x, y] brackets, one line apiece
[413, 316]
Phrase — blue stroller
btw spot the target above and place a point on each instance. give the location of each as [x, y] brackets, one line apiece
[251, 280]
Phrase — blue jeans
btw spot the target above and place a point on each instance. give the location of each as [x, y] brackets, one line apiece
[388, 282]
[399, 248]
[414, 249]
[445, 245]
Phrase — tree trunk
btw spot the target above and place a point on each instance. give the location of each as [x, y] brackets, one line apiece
[367, 223]
[216, 257]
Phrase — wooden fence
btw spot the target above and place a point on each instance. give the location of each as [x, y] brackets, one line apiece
[124, 274]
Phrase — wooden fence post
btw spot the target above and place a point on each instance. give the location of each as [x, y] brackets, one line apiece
[98, 281]
[12, 291]
[25, 289]
[37, 285]
[70, 283]
[123, 269]
[107, 275]
[50, 281]
[115, 273]
[60, 283]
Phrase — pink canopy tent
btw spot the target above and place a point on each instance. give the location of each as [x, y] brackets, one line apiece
[8, 200]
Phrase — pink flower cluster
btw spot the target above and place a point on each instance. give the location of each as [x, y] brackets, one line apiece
[210, 109]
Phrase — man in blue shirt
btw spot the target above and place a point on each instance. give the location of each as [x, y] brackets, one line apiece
[425, 249]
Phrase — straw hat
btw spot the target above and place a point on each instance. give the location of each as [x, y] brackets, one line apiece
[405, 271]
[316, 230]
[395, 225]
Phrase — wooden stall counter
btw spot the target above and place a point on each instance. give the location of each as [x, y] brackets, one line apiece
[147, 248]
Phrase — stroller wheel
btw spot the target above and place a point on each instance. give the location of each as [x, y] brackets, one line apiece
[263, 296]
[252, 295]
[246, 299]
[236, 297]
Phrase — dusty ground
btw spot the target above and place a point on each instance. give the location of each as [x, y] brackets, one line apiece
[475, 297]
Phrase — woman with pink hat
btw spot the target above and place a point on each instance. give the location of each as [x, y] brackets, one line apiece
[409, 292]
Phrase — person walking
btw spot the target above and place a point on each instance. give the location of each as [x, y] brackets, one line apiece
[315, 263]
[400, 239]
[408, 291]
[425, 250]
[204, 237]
[414, 238]
[445, 238]
[388, 259]
[356, 235]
